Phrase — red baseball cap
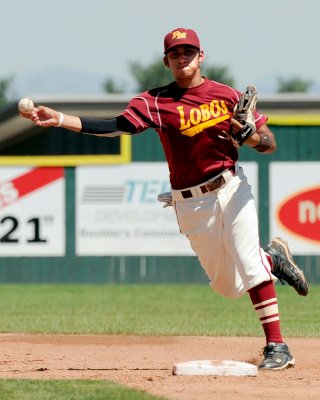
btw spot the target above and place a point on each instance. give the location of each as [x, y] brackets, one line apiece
[181, 36]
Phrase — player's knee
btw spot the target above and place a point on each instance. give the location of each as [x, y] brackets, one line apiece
[225, 291]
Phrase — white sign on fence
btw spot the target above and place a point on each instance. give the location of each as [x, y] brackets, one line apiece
[117, 212]
[295, 205]
[32, 211]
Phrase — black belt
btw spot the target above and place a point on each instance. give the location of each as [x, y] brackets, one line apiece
[208, 187]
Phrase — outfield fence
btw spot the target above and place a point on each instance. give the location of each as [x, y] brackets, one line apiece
[26, 256]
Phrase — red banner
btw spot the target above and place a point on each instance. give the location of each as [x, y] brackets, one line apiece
[11, 191]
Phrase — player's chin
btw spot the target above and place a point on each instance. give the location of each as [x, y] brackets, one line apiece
[184, 72]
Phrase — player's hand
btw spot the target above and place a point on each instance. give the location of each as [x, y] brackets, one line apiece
[235, 128]
[42, 116]
[236, 125]
[45, 116]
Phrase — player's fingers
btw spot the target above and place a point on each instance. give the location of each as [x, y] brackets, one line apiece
[34, 113]
[27, 115]
[237, 123]
[42, 108]
[46, 123]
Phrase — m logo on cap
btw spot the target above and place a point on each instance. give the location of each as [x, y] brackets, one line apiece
[179, 35]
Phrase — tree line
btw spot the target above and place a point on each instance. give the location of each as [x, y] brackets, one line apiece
[156, 75]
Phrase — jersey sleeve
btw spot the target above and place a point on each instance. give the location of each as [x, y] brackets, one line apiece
[139, 113]
[260, 119]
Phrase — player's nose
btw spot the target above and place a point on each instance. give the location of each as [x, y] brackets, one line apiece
[182, 57]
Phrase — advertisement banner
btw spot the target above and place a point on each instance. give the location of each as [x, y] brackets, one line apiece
[32, 211]
[117, 211]
[295, 205]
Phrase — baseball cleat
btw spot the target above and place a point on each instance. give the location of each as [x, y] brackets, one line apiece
[284, 268]
[276, 357]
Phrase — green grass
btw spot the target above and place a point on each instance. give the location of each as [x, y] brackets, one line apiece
[13, 389]
[148, 310]
[138, 310]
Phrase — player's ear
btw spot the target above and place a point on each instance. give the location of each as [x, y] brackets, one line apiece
[165, 61]
[201, 56]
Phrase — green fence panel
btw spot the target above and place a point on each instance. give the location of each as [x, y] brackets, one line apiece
[295, 143]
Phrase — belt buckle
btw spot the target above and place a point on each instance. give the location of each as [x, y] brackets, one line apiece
[215, 184]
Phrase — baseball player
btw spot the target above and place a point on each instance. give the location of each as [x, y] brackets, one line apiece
[201, 124]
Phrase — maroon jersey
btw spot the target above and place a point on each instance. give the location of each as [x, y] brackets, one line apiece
[192, 125]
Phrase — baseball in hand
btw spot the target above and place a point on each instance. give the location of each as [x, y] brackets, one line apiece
[25, 105]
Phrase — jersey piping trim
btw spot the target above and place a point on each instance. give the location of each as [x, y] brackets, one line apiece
[229, 87]
[258, 119]
[147, 105]
[136, 118]
[158, 111]
[221, 84]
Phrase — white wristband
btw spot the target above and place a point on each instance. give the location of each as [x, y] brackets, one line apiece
[61, 119]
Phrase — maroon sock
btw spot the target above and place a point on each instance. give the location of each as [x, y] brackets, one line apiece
[264, 300]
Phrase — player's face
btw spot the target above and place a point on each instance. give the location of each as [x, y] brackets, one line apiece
[183, 60]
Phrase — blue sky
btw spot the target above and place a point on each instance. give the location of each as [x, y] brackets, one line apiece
[71, 46]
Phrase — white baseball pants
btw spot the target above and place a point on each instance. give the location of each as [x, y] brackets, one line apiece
[222, 227]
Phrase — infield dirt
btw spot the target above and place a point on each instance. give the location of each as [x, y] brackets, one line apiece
[146, 363]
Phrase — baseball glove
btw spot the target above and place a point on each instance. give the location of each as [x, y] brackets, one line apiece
[166, 198]
[244, 114]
